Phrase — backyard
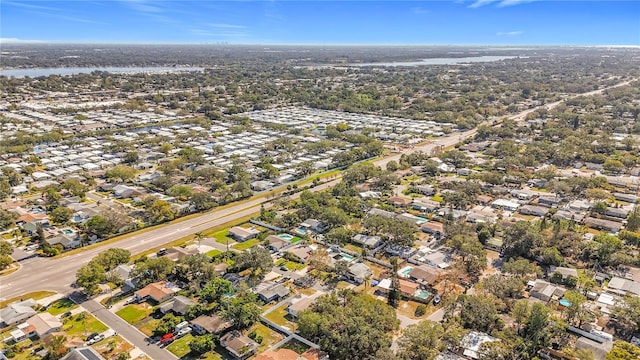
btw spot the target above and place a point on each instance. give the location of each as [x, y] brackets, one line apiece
[246, 244]
[279, 317]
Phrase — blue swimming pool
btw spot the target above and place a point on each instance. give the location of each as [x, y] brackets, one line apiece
[285, 237]
[565, 303]
[422, 294]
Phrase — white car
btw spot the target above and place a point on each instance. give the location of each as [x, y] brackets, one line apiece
[184, 331]
[95, 339]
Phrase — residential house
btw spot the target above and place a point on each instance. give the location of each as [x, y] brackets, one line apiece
[438, 259]
[367, 240]
[447, 355]
[45, 323]
[620, 213]
[549, 200]
[17, 312]
[505, 204]
[472, 342]
[83, 353]
[273, 292]
[603, 224]
[533, 210]
[564, 271]
[484, 200]
[358, 273]
[399, 201]
[630, 198]
[300, 253]
[234, 278]
[212, 324]
[454, 214]
[598, 349]
[579, 205]
[314, 225]
[158, 292]
[179, 305]
[299, 305]
[476, 217]
[243, 234]
[68, 241]
[424, 275]
[177, 252]
[433, 228]
[620, 286]
[427, 190]
[546, 291]
[403, 252]
[425, 206]
[276, 243]
[124, 191]
[380, 212]
[238, 345]
[568, 215]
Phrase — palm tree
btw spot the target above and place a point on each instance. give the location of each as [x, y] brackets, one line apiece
[367, 281]
[198, 237]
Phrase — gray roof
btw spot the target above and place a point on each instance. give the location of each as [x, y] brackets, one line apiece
[278, 290]
[17, 311]
[83, 353]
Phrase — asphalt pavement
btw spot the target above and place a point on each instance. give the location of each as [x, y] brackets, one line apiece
[122, 328]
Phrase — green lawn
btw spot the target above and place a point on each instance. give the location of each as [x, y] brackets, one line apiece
[294, 266]
[246, 244]
[149, 326]
[437, 198]
[220, 236]
[269, 337]
[295, 239]
[36, 295]
[83, 324]
[134, 313]
[214, 253]
[61, 306]
[180, 347]
[278, 317]
[353, 248]
[280, 261]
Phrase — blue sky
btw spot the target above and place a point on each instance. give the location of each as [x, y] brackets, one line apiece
[502, 22]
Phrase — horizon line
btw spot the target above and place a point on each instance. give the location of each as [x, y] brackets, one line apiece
[225, 43]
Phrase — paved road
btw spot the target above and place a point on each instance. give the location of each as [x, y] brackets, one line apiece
[127, 331]
[58, 274]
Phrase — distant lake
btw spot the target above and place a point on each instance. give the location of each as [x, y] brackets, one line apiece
[35, 72]
[442, 61]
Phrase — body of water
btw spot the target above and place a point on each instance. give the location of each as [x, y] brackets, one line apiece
[36, 72]
[442, 61]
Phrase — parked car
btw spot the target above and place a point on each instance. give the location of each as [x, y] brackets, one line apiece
[92, 335]
[436, 299]
[183, 332]
[95, 339]
[65, 315]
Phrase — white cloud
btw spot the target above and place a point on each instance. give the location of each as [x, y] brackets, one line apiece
[500, 3]
[509, 33]
[18, 41]
[226, 26]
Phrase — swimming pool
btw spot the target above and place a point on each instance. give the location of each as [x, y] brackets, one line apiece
[302, 231]
[285, 237]
[565, 303]
[346, 256]
[67, 231]
[405, 271]
[422, 294]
